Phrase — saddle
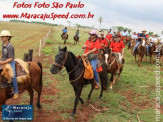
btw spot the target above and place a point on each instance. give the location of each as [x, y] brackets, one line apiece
[21, 69]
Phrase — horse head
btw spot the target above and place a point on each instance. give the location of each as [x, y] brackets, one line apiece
[60, 59]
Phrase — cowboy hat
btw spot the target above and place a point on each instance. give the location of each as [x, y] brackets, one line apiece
[5, 33]
[93, 32]
[101, 32]
[144, 30]
[153, 34]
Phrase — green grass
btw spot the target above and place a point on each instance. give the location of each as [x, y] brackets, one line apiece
[47, 50]
[133, 94]
[137, 80]
[49, 41]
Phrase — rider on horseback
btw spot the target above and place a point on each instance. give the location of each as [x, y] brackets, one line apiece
[8, 56]
[64, 31]
[153, 40]
[103, 41]
[141, 36]
[124, 33]
[133, 37]
[117, 48]
[91, 47]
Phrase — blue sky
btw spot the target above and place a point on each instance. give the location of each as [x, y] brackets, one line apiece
[134, 14]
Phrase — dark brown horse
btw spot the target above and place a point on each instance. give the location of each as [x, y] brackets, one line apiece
[75, 69]
[64, 37]
[141, 51]
[76, 39]
[31, 84]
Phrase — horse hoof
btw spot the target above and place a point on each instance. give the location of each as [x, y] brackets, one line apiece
[39, 106]
[72, 115]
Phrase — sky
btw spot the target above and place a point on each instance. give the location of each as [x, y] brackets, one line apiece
[134, 14]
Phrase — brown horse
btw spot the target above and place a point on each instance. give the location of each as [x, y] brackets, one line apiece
[125, 39]
[141, 50]
[133, 43]
[111, 62]
[34, 82]
[64, 37]
[152, 53]
[76, 39]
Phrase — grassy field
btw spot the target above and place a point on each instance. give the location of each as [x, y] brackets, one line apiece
[133, 96]
[26, 36]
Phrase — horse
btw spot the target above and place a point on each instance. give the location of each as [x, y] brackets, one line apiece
[152, 54]
[75, 68]
[76, 39]
[126, 39]
[141, 50]
[33, 82]
[133, 43]
[112, 65]
[64, 37]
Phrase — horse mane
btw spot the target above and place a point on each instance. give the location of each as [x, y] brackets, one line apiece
[75, 59]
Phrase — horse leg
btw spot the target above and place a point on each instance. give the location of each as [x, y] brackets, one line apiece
[81, 100]
[90, 93]
[138, 60]
[111, 82]
[38, 99]
[31, 92]
[78, 93]
[115, 78]
[135, 59]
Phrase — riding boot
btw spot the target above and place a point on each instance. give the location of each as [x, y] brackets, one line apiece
[96, 85]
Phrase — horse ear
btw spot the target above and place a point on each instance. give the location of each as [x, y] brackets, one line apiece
[59, 47]
[65, 48]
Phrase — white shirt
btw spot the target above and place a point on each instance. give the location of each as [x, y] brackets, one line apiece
[161, 39]
[153, 39]
[134, 37]
[124, 33]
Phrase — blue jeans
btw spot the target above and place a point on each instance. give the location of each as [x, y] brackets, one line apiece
[136, 46]
[94, 65]
[129, 44]
[14, 80]
[147, 49]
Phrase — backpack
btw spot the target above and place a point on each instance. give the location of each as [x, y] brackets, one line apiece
[88, 73]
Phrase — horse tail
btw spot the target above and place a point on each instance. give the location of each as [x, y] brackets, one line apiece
[40, 65]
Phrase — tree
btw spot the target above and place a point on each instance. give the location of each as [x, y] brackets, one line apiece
[100, 21]
[69, 23]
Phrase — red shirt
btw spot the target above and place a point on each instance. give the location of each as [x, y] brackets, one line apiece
[104, 41]
[109, 36]
[147, 36]
[117, 47]
[91, 45]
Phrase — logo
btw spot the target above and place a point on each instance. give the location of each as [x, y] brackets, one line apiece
[17, 112]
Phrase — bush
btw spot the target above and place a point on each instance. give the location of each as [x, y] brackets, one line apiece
[47, 50]
[49, 41]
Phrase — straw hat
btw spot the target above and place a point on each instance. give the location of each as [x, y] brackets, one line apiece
[5, 33]
[153, 34]
[144, 30]
[101, 32]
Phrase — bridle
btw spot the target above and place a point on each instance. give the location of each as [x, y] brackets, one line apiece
[63, 62]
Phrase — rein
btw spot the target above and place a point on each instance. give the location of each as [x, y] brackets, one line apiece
[62, 65]
[111, 63]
